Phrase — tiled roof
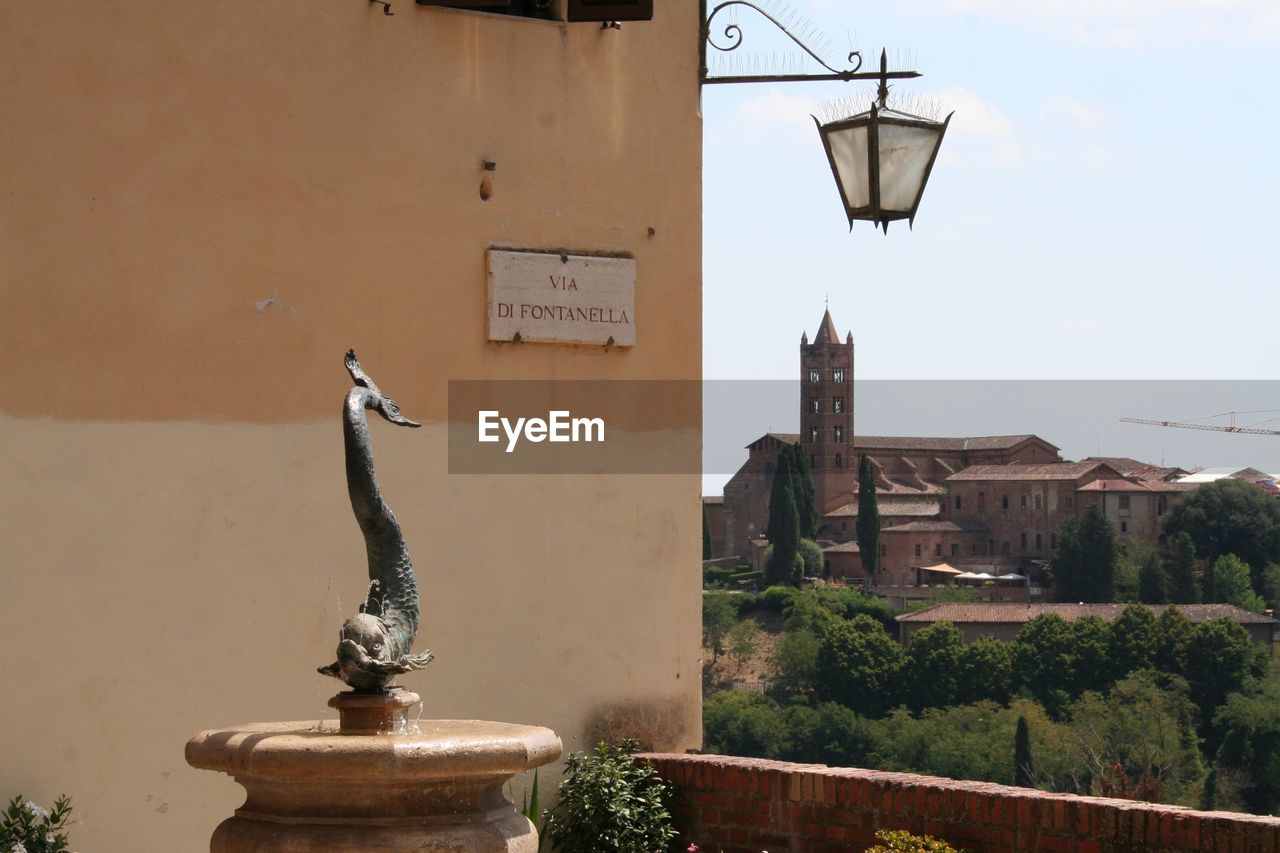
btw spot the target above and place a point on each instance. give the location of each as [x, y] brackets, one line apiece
[924, 509]
[784, 437]
[937, 527]
[1123, 464]
[842, 548]
[827, 333]
[916, 442]
[1047, 471]
[992, 613]
[1156, 472]
[1106, 484]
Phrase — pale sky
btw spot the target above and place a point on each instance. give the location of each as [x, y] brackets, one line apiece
[1103, 207]
[1104, 204]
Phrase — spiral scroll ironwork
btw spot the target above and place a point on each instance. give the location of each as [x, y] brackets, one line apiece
[734, 38]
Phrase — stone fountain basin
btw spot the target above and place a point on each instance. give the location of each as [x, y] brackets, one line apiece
[311, 787]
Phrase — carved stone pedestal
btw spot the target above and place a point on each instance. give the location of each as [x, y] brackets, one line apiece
[435, 786]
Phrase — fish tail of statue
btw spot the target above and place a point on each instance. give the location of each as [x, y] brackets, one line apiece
[376, 644]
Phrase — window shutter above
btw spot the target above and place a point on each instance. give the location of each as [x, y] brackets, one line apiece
[610, 10]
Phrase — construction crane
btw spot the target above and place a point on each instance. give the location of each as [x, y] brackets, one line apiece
[1216, 427]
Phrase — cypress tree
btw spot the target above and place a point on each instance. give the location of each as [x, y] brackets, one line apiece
[805, 493]
[785, 541]
[782, 482]
[1184, 588]
[1152, 583]
[1100, 553]
[868, 531]
[706, 535]
[1069, 581]
[1023, 767]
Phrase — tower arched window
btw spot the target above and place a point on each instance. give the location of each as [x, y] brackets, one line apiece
[839, 433]
[814, 405]
[813, 434]
[837, 375]
[839, 461]
[837, 404]
[814, 376]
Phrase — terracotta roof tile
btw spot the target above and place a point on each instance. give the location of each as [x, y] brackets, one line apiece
[1047, 471]
[937, 527]
[842, 548]
[1005, 613]
[925, 509]
[873, 443]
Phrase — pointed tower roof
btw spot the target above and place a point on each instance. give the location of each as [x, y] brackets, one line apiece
[827, 333]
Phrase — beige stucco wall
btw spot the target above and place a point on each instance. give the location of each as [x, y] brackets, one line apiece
[174, 535]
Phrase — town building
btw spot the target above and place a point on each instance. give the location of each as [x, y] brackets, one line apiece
[1004, 621]
[911, 471]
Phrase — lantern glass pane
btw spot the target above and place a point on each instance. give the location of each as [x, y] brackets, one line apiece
[904, 158]
[849, 153]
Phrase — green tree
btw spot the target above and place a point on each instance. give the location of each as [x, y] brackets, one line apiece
[1023, 764]
[706, 535]
[1250, 745]
[737, 722]
[1230, 584]
[1270, 590]
[1172, 641]
[744, 641]
[1152, 582]
[832, 735]
[795, 662]
[1099, 552]
[1137, 741]
[719, 613]
[806, 493]
[1067, 563]
[1090, 655]
[1229, 517]
[811, 556]
[1184, 586]
[784, 565]
[868, 532]
[1219, 656]
[932, 667]
[782, 483]
[985, 671]
[858, 666]
[1044, 662]
[1132, 641]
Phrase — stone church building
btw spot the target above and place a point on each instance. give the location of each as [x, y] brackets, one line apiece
[993, 501]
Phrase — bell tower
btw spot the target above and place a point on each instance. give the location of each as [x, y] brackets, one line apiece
[826, 411]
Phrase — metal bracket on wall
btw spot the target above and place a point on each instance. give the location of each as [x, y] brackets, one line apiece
[733, 40]
[386, 7]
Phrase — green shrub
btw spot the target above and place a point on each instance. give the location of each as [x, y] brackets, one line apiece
[901, 841]
[609, 801]
[811, 554]
[29, 827]
[718, 574]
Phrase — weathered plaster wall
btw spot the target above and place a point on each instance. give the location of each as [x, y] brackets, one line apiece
[205, 205]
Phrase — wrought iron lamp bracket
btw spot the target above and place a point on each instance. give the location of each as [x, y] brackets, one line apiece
[733, 38]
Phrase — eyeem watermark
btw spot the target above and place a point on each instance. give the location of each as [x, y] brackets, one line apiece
[560, 426]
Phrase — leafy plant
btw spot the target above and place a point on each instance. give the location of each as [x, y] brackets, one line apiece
[31, 828]
[610, 801]
[901, 841]
[529, 802]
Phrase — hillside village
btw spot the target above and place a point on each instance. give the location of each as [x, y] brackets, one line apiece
[949, 507]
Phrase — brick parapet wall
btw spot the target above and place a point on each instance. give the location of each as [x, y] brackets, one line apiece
[746, 805]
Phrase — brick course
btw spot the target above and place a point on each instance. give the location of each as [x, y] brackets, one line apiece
[745, 805]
